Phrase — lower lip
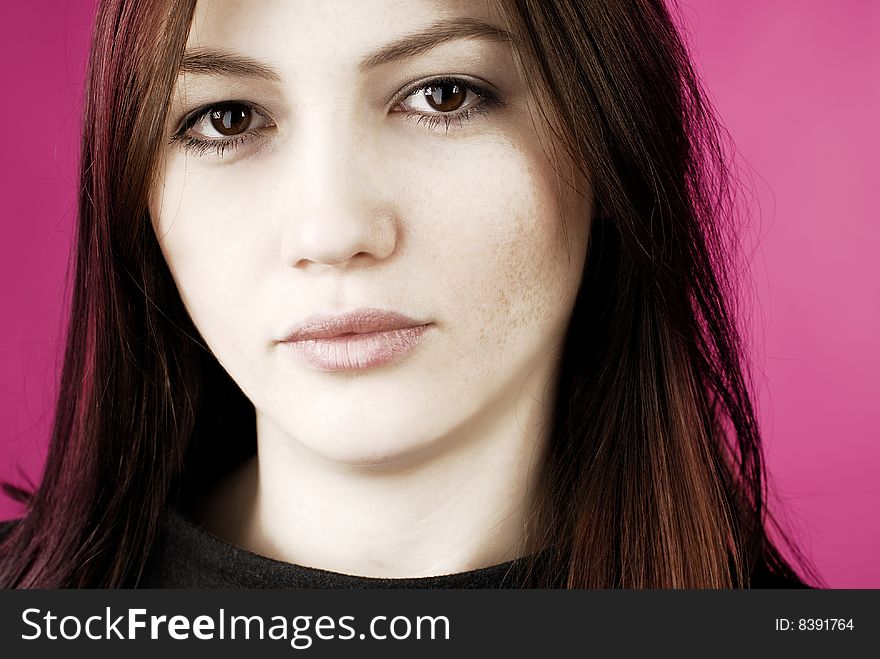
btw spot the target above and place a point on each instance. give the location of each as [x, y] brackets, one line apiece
[355, 352]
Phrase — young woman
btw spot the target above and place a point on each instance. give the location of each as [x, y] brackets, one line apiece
[429, 293]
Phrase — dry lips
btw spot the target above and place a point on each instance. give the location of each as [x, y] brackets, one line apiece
[354, 341]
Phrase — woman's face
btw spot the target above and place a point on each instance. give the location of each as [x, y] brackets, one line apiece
[351, 171]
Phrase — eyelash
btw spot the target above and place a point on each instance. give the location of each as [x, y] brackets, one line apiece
[487, 101]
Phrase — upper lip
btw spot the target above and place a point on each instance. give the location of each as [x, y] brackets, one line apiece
[359, 321]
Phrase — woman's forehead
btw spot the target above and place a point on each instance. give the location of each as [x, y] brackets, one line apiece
[356, 32]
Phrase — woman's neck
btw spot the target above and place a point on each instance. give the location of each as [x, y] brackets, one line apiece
[460, 503]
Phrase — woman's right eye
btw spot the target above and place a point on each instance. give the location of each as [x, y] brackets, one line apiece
[228, 120]
[221, 127]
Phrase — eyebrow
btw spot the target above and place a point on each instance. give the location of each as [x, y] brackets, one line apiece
[218, 62]
[432, 36]
[214, 62]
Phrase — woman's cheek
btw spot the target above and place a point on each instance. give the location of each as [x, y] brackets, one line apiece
[207, 233]
[498, 240]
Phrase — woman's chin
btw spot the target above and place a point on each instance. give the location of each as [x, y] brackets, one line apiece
[381, 439]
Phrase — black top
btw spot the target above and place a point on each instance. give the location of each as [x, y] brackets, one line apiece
[188, 556]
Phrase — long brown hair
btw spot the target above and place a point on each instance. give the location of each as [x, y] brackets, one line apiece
[654, 472]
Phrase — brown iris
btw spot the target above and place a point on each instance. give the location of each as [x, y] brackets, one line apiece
[445, 97]
[230, 119]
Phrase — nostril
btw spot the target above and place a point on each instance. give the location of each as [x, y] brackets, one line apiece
[348, 235]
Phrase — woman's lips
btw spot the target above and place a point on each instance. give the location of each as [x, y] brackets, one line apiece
[357, 340]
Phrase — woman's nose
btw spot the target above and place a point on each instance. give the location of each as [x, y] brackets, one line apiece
[334, 212]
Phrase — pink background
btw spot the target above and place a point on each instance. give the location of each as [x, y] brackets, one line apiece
[798, 85]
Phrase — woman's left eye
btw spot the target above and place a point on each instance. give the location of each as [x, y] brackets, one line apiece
[447, 101]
